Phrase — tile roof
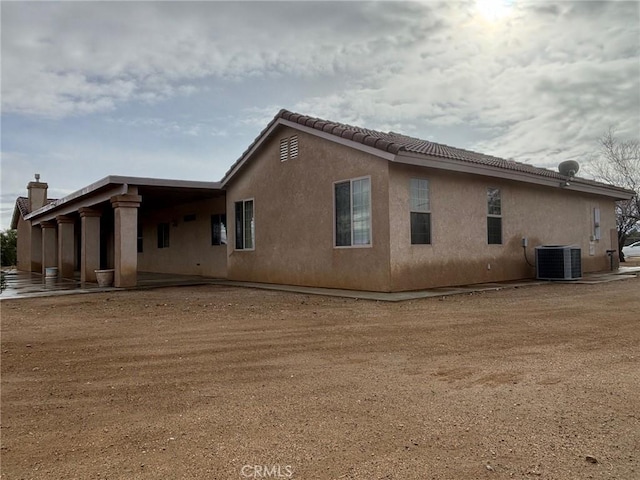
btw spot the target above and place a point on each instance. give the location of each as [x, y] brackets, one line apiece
[397, 143]
[23, 205]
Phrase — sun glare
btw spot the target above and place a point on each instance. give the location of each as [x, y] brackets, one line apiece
[493, 10]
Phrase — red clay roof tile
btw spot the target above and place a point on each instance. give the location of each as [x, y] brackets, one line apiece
[395, 143]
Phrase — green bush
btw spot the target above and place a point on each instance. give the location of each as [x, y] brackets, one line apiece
[8, 247]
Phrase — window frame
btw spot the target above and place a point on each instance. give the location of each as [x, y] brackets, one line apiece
[351, 219]
[492, 215]
[426, 211]
[235, 229]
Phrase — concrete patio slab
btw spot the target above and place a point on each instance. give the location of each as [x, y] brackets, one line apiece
[29, 285]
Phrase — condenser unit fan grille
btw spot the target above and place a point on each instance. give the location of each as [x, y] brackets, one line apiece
[558, 262]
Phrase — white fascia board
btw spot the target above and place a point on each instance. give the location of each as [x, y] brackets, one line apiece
[67, 205]
[121, 186]
[496, 172]
[163, 182]
[69, 198]
[311, 131]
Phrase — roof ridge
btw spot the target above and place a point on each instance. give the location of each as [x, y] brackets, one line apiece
[395, 143]
[344, 130]
[432, 148]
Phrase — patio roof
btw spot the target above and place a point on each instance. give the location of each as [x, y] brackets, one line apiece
[161, 192]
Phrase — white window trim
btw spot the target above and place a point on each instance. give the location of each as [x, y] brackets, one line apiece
[333, 195]
[235, 249]
[493, 215]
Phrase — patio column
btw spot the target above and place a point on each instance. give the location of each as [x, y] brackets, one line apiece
[49, 245]
[36, 249]
[89, 244]
[126, 239]
[65, 246]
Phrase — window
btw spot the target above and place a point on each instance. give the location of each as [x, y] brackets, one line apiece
[494, 216]
[288, 148]
[420, 212]
[218, 229]
[163, 235]
[245, 225]
[353, 212]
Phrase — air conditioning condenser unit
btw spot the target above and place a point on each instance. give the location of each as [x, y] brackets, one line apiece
[558, 262]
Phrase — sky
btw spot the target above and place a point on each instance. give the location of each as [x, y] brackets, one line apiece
[180, 89]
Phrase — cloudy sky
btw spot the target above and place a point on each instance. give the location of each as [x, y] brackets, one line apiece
[180, 89]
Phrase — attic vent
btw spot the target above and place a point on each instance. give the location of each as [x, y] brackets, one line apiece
[288, 148]
[284, 149]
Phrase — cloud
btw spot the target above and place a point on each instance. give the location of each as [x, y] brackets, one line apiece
[540, 84]
[172, 127]
[62, 59]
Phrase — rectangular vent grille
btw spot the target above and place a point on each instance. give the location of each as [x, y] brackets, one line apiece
[284, 149]
[558, 262]
[293, 147]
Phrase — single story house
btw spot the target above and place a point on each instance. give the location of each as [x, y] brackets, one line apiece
[318, 203]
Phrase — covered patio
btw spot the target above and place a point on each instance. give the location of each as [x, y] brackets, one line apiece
[18, 284]
[104, 225]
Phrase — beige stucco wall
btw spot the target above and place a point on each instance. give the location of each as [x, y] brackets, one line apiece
[294, 215]
[459, 253]
[24, 245]
[190, 251]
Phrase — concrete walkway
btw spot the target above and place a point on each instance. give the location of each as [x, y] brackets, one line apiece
[591, 278]
[29, 285]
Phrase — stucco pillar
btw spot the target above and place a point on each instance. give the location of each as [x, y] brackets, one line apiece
[126, 239]
[65, 246]
[49, 245]
[35, 249]
[89, 244]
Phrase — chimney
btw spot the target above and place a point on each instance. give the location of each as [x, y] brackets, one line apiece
[37, 194]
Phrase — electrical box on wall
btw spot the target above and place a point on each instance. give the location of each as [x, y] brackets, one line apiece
[596, 224]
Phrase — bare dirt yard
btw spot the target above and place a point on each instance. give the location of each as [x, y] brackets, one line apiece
[230, 383]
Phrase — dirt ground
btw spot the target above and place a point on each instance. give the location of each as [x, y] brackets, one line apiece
[229, 383]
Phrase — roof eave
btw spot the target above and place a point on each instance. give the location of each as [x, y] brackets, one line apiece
[278, 121]
[117, 184]
[440, 163]
[15, 217]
